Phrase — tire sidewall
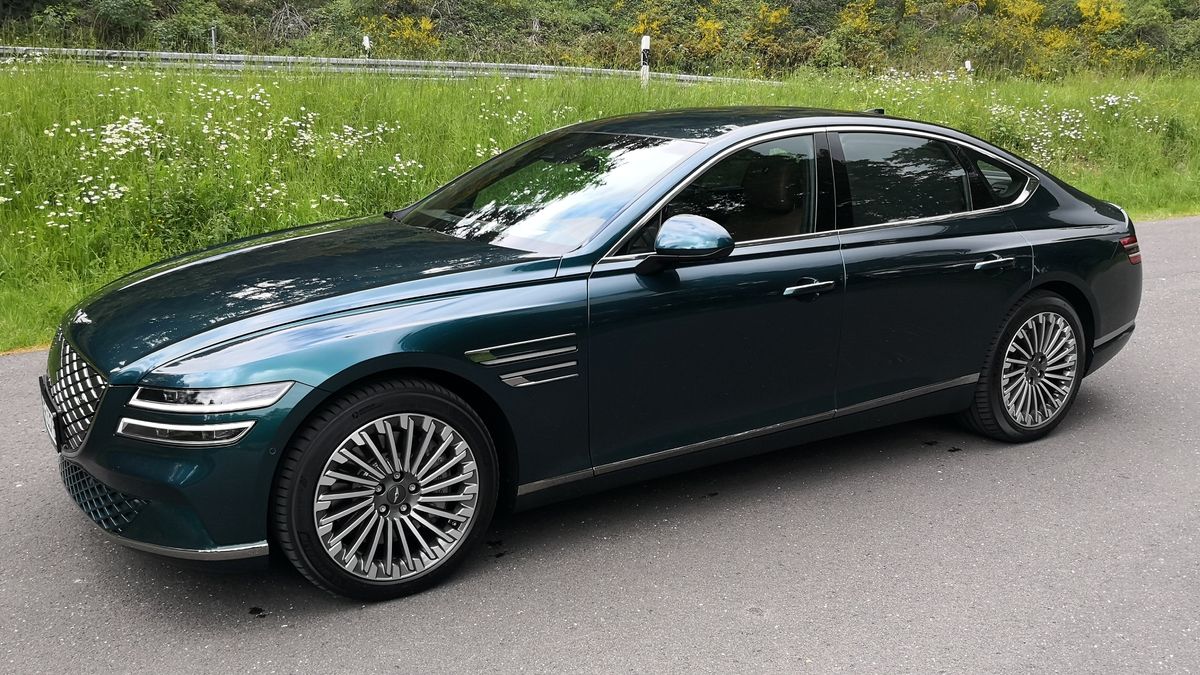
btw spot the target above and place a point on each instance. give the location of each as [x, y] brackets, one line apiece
[300, 522]
[1036, 305]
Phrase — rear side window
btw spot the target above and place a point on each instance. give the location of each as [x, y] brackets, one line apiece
[896, 177]
[1004, 183]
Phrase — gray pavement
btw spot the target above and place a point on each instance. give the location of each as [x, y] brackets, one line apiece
[913, 548]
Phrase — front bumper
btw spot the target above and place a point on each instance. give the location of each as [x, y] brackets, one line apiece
[113, 511]
[199, 503]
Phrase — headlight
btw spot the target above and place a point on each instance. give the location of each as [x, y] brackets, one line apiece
[184, 434]
[225, 399]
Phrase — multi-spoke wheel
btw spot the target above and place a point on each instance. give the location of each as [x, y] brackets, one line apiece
[396, 497]
[1033, 371]
[382, 492]
[1040, 367]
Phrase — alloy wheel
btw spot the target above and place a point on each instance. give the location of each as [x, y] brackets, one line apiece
[397, 497]
[1040, 369]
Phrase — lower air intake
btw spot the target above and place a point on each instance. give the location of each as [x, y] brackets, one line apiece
[108, 508]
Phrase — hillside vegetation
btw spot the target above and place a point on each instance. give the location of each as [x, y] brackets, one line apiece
[106, 169]
[1036, 38]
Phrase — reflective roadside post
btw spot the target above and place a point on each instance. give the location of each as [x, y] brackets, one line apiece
[645, 60]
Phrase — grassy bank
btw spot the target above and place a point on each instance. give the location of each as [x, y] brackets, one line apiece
[103, 170]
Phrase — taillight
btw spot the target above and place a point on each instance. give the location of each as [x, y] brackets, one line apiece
[1131, 249]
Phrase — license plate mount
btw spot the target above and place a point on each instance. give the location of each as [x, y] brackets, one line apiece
[49, 417]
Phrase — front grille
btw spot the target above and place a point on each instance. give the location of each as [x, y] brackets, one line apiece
[76, 389]
[107, 507]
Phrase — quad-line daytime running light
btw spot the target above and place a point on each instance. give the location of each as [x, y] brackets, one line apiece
[206, 401]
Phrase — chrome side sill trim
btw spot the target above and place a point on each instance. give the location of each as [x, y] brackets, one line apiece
[528, 488]
[905, 395]
[716, 442]
[553, 481]
[231, 552]
[1101, 341]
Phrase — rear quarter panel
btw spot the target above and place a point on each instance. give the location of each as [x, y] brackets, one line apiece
[1080, 244]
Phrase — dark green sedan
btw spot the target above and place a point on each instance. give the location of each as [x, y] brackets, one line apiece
[611, 301]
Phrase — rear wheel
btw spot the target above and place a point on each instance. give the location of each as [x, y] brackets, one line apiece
[383, 492]
[1033, 371]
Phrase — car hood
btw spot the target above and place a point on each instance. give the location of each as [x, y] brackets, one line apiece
[282, 277]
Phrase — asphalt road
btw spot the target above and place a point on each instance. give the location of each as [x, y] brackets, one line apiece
[913, 548]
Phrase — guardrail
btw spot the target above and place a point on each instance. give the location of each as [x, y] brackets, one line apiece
[340, 65]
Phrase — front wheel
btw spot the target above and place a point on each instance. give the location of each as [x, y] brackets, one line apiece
[1032, 373]
[383, 491]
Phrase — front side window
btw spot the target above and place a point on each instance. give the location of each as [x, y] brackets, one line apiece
[552, 194]
[896, 177]
[761, 192]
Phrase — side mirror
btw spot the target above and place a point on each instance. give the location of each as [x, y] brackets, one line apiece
[686, 238]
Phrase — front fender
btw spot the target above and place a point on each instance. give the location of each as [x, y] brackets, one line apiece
[548, 421]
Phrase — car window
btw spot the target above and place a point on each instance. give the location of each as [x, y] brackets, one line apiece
[898, 177]
[1004, 182]
[761, 192]
[552, 194]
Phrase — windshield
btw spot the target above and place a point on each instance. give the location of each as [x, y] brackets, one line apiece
[551, 194]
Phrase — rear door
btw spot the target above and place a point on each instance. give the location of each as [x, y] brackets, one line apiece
[933, 261]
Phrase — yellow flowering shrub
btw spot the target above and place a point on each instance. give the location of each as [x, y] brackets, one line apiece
[403, 35]
[708, 42]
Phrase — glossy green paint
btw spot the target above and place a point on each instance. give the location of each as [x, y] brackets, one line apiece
[687, 351]
[691, 353]
[918, 312]
[266, 281]
[198, 497]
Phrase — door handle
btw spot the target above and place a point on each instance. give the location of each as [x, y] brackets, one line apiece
[996, 264]
[811, 288]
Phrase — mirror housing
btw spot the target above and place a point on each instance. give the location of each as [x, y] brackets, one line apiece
[684, 239]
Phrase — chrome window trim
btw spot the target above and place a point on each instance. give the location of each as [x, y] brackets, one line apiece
[1031, 187]
[252, 404]
[835, 413]
[244, 426]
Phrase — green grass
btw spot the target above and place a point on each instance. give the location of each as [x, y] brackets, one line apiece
[220, 155]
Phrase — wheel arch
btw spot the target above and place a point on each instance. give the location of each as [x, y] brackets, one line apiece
[494, 418]
[1079, 299]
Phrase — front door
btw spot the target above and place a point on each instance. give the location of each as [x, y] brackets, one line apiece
[722, 349]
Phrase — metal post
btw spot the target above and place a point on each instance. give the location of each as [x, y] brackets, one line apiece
[645, 60]
[212, 31]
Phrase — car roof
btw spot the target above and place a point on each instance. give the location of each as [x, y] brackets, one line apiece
[708, 123]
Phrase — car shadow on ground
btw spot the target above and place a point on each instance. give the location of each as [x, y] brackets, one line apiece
[261, 591]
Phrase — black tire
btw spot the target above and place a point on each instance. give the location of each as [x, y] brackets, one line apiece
[988, 414]
[292, 515]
